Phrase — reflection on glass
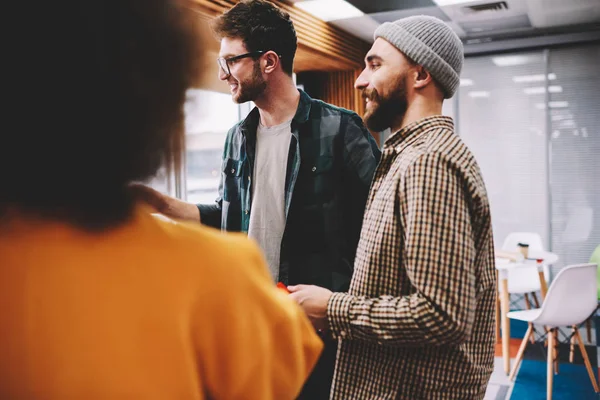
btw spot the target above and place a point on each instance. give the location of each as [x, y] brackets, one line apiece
[208, 117]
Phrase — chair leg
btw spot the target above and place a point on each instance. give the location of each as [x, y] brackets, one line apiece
[520, 352]
[549, 365]
[588, 327]
[556, 350]
[497, 318]
[535, 300]
[528, 305]
[572, 351]
[586, 360]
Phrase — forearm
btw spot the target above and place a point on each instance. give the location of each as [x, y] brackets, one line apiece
[397, 321]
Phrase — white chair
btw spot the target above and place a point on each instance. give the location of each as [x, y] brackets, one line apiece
[570, 300]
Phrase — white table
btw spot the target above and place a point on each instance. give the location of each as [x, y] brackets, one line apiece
[503, 266]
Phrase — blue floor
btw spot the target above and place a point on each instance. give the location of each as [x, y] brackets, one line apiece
[572, 383]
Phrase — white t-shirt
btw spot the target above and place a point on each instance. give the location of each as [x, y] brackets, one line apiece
[267, 215]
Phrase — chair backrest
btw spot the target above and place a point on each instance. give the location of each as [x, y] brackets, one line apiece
[534, 241]
[596, 260]
[571, 298]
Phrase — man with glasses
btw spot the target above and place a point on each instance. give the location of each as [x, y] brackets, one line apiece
[296, 172]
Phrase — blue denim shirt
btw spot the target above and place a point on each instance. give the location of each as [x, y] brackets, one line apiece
[331, 162]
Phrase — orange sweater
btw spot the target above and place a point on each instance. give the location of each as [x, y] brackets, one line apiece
[151, 310]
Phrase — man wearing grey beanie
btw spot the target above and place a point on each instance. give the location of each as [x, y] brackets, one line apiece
[418, 320]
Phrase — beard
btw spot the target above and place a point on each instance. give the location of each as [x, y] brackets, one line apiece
[250, 89]
[384, 111]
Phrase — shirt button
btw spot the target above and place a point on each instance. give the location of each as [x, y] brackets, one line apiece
[246, 212]
[314, 169]
[233, 171]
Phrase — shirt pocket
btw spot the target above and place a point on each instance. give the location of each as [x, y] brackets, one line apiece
[318, 183]
[232, 179]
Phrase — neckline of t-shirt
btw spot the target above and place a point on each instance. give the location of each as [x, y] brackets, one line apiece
[274, 127]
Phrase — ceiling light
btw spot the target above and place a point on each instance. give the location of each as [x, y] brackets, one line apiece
[466, 82]
[552, 104]
[509, 61]
[533, 78]
[542, 89]
[479, 94]
[561, 117]
[567, 123]
[558, 104]
[329, 10]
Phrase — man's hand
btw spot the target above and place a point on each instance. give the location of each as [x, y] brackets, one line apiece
[166, 205]
[313, 300]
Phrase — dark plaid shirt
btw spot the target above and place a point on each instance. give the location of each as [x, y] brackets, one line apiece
[418, 320]
[331, 162]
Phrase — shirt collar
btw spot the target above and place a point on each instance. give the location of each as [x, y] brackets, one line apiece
[415, 129]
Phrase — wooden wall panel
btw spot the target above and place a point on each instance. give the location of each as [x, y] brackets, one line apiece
[336, 88]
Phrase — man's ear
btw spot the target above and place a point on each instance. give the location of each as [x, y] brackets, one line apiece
[422, 77]
[271, 61]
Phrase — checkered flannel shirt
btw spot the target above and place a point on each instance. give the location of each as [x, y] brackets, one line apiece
[418, 321]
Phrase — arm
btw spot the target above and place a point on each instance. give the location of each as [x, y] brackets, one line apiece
[210, 214]
[438, 255]
[361, 156]
[165, 204]
[260, 345]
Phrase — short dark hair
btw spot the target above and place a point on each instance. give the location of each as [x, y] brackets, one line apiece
[97, 92]
[262, 26]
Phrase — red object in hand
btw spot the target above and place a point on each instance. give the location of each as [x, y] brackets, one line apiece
[281, 286]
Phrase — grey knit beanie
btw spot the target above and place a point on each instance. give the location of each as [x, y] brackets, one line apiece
[429, 42]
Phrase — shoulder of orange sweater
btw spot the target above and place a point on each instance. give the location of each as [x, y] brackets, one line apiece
[246, 271]
[233, 255]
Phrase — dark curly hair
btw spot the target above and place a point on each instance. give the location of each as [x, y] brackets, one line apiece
[262, 26]
[96, 98]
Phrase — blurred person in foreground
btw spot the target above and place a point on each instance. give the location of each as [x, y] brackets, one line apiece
[296, 171]
[99, 298]
[418, 320]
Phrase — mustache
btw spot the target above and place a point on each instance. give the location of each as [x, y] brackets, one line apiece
[370, 94]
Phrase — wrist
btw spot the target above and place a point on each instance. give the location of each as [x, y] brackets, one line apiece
[191, 212]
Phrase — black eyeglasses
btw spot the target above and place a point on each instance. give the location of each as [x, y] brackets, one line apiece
[224, 62]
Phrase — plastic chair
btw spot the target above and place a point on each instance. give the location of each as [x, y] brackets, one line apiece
[570, 300]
